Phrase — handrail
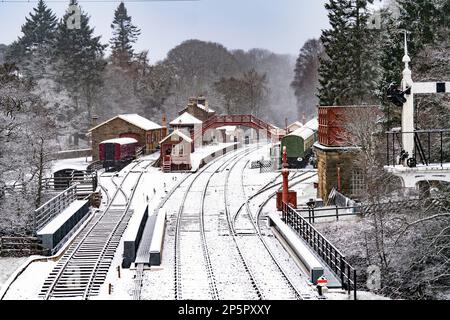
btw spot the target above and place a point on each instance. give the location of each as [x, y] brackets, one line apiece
[335, 260]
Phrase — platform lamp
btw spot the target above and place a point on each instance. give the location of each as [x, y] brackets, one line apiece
[285, 174]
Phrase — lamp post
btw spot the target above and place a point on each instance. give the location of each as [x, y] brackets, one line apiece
[285, 174]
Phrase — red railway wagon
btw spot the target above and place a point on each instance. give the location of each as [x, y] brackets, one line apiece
[117, 153]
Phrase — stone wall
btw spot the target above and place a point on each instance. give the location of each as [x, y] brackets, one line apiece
[328, 162]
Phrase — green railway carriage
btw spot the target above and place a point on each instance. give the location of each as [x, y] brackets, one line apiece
[299, 144]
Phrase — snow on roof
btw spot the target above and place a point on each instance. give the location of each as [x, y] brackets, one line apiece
[296, 123]
[134, 119]
[204, 108]
[303, 133]
[307, 130]
[227, 128]
[140, 122]
[185, 118]
[179, 134]
[312, 124]
[120, 141]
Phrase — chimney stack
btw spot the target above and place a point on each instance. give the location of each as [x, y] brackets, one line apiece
[94, 120]
[164, 121]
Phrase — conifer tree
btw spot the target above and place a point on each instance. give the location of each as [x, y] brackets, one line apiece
[427, 24]
[348, 72]
[79, 65]
[125, 34]
[33, 50]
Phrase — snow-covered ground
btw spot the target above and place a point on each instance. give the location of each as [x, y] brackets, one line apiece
[230, 276]
[231, 279]
[203, 152]
[8, 266]
[28, 285]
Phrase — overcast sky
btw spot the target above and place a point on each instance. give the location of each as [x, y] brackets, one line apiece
[281, 26]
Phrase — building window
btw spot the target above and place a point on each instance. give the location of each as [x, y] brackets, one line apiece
[358, 185]
[181, 150]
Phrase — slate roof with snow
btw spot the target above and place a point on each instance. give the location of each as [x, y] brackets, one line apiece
[296, 123]
[204, 108]
[121, 141]
[178, 133]
[185, 118]
[312, 124]
[307, 130]
[134, 119]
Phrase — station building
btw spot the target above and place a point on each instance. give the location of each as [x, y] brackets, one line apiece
[198, 107]
[335, 156]
[146, 132]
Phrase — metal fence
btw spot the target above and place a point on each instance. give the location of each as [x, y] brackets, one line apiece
[431, 147]
[53, 207]
[334, 259]
[312, 213]
[87, 182]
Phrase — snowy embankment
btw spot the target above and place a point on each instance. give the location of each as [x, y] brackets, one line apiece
[7, 267]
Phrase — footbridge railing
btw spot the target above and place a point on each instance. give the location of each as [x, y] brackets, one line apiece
[249, 120]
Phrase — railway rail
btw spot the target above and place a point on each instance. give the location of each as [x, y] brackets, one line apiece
[256, 223]
[84, 266]
[198, 242]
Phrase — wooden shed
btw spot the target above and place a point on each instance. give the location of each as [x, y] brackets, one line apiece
[146, 132]
[176, 151]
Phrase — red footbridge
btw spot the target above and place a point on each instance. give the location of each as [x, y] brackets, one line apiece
[239, 120]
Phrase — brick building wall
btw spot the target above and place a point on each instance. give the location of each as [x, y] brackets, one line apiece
[114, 129]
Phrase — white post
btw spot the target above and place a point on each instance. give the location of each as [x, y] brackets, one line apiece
[408, 106]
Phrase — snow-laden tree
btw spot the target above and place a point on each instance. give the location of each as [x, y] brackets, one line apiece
[306, 78]
[195, 66]
[125, 34]
[79, 66]
[230, 90]
[254, 93]
[348, 72]
[27, 136]
[33, 50]
[3, 49]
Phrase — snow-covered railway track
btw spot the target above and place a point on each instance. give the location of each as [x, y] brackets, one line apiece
[244, 260]
[83, 268]
[191, 247]
[265, 263]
